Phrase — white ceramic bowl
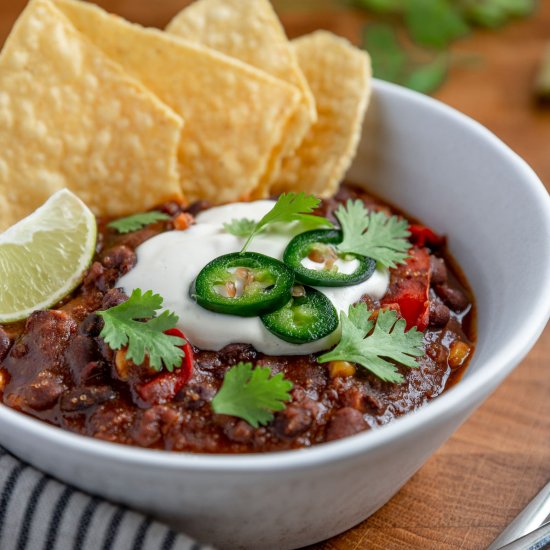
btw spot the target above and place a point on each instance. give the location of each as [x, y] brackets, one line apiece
[445, 169]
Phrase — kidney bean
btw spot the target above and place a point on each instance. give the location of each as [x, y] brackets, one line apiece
[154, 423]
[345, 422]
[40, 394]
[238, 431]
[292, 422]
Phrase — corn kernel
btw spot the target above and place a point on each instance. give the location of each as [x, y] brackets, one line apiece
[121, 364]
[458, 353]
[340, 369]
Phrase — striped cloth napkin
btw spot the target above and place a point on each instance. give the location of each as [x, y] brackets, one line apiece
[39, 513]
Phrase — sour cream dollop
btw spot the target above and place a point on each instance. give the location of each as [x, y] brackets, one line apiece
[168, 264]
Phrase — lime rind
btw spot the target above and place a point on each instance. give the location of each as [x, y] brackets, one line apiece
[44, 256]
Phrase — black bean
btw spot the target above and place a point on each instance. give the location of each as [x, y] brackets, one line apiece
[91, 325]
[113, 297]
[121, 258]
[194, 396]
[438, 271]
[94, 276]
[439, 314]
[80, 351]
[197, 206]
[172, 208]
[81, 399]
[233, 353]
[452, 297]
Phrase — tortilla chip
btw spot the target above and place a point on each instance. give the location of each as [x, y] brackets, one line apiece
[72, 118]
[234, 114]
[250, 30]
[340, 76]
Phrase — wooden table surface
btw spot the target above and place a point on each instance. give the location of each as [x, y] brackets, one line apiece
[484, 475]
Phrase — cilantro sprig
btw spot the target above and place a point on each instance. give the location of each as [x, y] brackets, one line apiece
[372, 344]
[289, 207]
[373, 234]
[249, 393]
[135, 324]
[410, 41]
[243, 227]
[137, 221]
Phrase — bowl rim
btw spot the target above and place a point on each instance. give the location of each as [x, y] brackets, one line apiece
[461, 396]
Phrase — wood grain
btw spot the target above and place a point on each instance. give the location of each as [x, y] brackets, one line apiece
[472, 487]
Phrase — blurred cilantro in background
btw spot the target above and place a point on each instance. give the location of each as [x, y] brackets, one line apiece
[409, 40]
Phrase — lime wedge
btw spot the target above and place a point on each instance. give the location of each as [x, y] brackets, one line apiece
[44, 256]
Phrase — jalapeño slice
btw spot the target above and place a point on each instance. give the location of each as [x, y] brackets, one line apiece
[244, 284]
[308, 316]
[324, 264]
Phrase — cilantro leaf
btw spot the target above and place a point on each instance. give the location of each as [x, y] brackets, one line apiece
[379, 6]
[389, 57]
[388, 340]
[137, 221]
[494, 13]
[427, 78]
[413, 67]
[290, 207]
[125, 325]
[373, 234]
[435, 23]
[251, 395]
[243, 227]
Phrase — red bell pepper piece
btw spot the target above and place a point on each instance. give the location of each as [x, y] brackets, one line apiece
[164, 387]
[424, 236]
[409, 290]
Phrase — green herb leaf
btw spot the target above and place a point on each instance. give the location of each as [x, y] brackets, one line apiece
[432, 26]
[434, 23]
[542, 83]
[391, 61]
[389, 58]
[380, 6]
[494, 13]
[428, 77]
[387, 341]
[373, 234]
[290, 207]
[240, 228]
[134, 324]
[251, 394]
[137, 221]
